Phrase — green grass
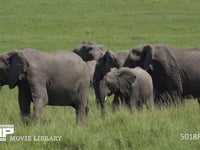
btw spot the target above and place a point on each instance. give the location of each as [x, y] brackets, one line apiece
[52, 25]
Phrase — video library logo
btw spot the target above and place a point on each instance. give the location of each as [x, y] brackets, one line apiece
[5, 130]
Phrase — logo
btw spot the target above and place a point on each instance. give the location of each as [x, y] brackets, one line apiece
[9, 129]
[5, 130]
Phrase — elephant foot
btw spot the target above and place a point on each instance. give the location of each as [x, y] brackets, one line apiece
[87, 110]
[81, 116]
[115, 107]
[26, 119]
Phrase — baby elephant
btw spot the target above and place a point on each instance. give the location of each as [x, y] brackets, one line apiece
[134, 85]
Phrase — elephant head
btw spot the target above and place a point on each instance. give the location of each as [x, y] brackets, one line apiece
[13, 67]
[161, 62]
[103, 66]
[141, 56]
[89, 51]
[117, 81]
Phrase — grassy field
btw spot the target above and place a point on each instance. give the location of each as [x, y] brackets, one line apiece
[51, 25]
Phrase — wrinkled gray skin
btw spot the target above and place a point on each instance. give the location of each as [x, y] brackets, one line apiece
[175, 72]
[134, 85]
[90, 51]
[104, 65]
[57, 79]
[91, 66]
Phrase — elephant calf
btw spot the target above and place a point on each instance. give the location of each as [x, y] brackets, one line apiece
[134, 85]
[58, 79]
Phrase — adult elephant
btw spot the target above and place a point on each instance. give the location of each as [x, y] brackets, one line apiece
[90, 51]
[91, 66]
[57, 79]
[103, 66]
[175, 72]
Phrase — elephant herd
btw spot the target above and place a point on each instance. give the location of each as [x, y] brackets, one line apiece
[147, 74]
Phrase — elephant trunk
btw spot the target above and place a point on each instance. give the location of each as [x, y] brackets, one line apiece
[104, 92]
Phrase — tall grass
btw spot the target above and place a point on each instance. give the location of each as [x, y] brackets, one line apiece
[160, 128]
[118, 24]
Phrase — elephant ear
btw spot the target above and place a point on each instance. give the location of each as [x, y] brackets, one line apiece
[17, 67]
[148, 52]
[125, 79]
[110, 61]
[109, 56]
[97, 51]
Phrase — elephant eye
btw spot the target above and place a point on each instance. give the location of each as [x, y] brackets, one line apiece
[84, 47]
[137, 53]
[133, 51]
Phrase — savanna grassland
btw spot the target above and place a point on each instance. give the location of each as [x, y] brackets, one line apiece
[52, 25]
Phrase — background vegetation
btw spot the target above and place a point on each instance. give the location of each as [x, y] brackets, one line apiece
[52, 25]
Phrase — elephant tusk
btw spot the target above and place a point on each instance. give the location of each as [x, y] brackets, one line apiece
[105, 98]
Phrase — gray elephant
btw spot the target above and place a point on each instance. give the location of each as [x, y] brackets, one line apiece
[91, 66]
[105, 61]
[104, 65]
[90, 51]
[134, 85]
[57, 79]
[175, 72]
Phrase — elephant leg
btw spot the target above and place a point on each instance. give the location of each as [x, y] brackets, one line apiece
[40, 99]
[97, 93]
[132, 104]
[177, 99]
[24, 105]
[132, 101]
[139, 104]
[116, 102]
[87, 108]
[38, 106]
[172, 97]
[150, 103]
[24, 101]
[80, 115]
[103, 109]
[81, 103]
